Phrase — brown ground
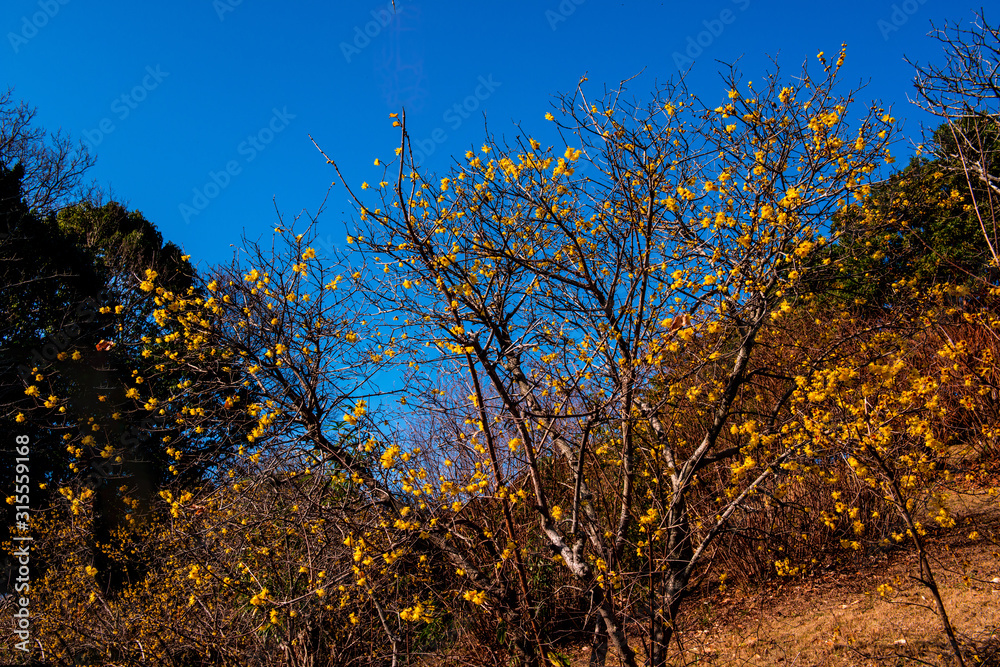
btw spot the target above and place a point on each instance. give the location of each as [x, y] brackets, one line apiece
[838, 618]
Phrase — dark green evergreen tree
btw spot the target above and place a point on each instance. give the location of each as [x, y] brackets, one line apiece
[76, 319]
[930, 234]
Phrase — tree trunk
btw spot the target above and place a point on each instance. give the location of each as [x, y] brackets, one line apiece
[598, 642]
[664, 625]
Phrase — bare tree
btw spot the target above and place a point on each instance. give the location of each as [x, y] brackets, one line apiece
[964, 92]
[54, 166]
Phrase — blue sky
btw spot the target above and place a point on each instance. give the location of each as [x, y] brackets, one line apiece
[200, 111]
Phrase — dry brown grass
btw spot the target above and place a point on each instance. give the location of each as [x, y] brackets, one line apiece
[832, 618]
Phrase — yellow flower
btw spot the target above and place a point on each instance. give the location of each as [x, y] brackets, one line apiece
[549, 116]
[475, 597]
[147, 284]
[804, 248]
[309, 253]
